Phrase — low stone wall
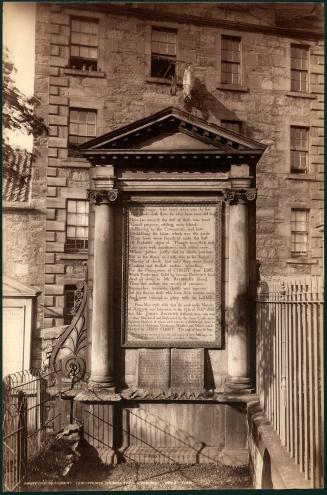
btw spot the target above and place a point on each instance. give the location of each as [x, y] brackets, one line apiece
[271, 465]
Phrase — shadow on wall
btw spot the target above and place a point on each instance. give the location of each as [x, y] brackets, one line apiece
[266, 471]
[206, 103]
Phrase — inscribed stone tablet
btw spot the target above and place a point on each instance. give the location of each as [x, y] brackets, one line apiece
[172, 275]
[153, 368]
[187, 370]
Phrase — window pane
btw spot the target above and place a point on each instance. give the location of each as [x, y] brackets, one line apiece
[70, 231]
[71, 218]
[71, 206]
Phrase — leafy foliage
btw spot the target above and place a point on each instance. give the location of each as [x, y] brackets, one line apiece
[18, 114]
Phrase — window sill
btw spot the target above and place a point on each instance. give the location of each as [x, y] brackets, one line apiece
[298, 94]
[84, 73]
[233, 87]
[73, 256]
[161, 80]
[74, 162]
[301, 261]
[300, 176]
[18, 205]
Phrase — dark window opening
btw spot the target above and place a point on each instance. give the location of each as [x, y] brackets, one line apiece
[232, 125]
[69, 294]
[163, 53]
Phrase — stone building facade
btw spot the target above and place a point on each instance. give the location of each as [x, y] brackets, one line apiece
[104, 66]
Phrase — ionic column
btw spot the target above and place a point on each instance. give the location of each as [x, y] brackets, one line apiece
[238, 291]
[102, 351]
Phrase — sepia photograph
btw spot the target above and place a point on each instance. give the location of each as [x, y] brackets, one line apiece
[163, 246]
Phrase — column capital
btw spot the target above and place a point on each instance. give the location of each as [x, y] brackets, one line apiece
[102, 196]
[234, 196]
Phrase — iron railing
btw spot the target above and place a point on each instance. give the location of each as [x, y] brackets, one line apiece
[290, 367]
[31, 419]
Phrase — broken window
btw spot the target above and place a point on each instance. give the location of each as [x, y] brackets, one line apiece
[163, 52]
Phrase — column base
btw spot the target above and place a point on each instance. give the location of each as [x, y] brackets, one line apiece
[108, 384]
[238, 385]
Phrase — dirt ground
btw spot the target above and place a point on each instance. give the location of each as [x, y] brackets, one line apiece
[126, 477]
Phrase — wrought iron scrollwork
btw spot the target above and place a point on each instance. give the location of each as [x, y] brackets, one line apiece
[68, 355]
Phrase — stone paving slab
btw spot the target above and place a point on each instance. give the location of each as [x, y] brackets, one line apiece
[126, 477]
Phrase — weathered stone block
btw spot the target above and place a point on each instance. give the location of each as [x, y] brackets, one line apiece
[55, 225]
[54, 71]
[55, 269]
[49, 258]
[54, 90]
[56, 203]
[57, 181]
[59, 81]
[51, 192]
[50, 236]
[55, 247]
[48, 301]
[58, 119]
[53, 130]
[49, 279]
[62, 19]
[54, 28]
[58, 100]
[51, 214]
[51, 172]
[55, 50]
[59, 39]
[57, 142]
[58, 61]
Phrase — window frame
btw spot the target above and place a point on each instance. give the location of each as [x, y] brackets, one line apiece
[294, 148]
[164, 29]
[71, 145]
[306, 71]
[231, 37]
[75, 249]
[232, 121]
[297, 232]
[91, 64]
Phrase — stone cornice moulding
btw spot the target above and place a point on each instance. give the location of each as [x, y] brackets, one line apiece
[163, 16]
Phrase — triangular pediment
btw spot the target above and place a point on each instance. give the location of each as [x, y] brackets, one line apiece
[14, 288]
[171, 129]
[175, 141]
